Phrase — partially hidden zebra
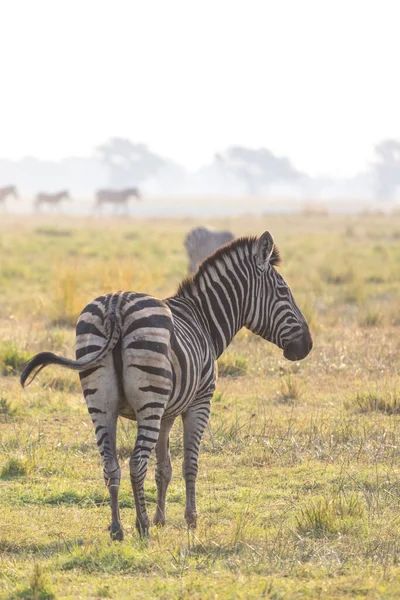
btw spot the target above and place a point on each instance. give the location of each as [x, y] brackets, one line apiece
[6, 192]
[51, 199]
[152, 360]
[201, 242]
[116, 197]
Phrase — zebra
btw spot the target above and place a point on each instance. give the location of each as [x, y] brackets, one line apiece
[116, 197]
[153, 360]
[6, 192]
[201, 242]
[51, 199]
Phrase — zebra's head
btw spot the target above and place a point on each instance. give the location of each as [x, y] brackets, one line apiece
[273, 313]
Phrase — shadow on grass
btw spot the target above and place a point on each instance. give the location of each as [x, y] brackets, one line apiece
[77, 499]
[43, 550]
[82, 500]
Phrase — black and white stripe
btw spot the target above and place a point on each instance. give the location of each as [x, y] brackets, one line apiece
[201, 242]
[152, 360]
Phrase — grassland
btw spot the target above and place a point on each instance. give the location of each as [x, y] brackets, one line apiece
[299, 483]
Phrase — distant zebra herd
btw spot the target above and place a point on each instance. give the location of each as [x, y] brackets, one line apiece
[153, 360]
[119, 199]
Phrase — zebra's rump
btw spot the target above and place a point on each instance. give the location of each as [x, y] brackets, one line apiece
[137, 330]
[151, 349]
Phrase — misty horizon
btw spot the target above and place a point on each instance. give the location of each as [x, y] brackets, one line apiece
[312, 81]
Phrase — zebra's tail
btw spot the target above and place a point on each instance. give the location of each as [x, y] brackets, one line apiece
[43, 359]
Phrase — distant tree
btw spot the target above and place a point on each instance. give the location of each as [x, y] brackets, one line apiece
[128, 163]
[256, 168]
[387, 169]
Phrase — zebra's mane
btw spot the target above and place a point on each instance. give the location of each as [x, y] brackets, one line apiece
[246, 242]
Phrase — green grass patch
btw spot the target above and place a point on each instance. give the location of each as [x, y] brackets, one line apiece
[12, 358]
[322, 517]
[232, 365]
[39, 588]
[7, 410]
[14, 467]
[110, 558]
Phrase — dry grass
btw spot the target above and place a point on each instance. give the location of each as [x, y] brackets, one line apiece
[299, 486]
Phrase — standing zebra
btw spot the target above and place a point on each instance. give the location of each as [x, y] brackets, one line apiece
[52, 200]
[116, 197]
[201, 242]
[6, 192]
[152, 360]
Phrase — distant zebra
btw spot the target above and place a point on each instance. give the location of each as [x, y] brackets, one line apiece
[6, 192]
[201, 242]
[152, 360]
[116, 197]
[52, 200]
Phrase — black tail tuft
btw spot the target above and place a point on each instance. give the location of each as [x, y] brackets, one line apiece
[37, 363]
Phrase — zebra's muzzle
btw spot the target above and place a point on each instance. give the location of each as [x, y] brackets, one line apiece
[298, 349]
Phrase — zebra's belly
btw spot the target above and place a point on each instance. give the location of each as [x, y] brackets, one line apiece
[171, 410]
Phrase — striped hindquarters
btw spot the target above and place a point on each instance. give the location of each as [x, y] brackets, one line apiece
[141, 358]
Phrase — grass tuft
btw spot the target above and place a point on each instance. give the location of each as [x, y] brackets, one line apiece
[14, 467]
[104, 592]
[387, 402]
[7, 410]
[39, 587]
[290, 389]
[371, 318]
[323, 517]
[12, 358]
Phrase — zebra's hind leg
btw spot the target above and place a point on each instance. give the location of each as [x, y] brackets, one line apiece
[146, 441]
[102, 403]
[163, 470]
[195, 420]
[106, 431]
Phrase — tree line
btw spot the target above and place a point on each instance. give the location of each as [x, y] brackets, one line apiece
[121, 163]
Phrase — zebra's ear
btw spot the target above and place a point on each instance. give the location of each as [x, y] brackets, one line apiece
[265, 248]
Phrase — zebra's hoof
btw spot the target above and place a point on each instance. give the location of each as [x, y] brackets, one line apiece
[158, 521]
[116, 533]
[143, 528]
[191, 520]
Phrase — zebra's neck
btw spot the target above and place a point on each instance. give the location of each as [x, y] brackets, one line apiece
[221, 293]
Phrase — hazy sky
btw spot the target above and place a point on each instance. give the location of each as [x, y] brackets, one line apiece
[316, 80]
